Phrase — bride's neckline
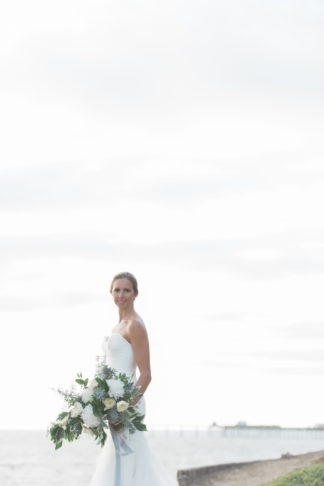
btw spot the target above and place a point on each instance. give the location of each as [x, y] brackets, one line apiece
[121, 337]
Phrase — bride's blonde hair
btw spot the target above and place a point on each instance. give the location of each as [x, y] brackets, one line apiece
[130, 277]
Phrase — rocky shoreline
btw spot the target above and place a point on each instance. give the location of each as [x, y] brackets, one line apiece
[254, 473]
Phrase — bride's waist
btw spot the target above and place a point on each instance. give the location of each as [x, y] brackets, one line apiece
[131, 374]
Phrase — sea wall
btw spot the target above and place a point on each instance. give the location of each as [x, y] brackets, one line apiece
[251, 473]
[187, 477]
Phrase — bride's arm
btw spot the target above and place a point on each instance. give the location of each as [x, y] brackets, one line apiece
[140, 344]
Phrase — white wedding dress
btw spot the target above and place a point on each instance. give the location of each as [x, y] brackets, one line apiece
[134, 463]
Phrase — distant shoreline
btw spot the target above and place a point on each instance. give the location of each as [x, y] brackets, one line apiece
[197, 428]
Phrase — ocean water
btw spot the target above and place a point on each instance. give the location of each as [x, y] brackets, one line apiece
[28, 458]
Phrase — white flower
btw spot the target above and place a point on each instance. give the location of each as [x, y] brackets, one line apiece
[93, 383]
[76, 409]
[88, 417]
[86, 395]
[116, 387]
[122, 406]
[109, 403]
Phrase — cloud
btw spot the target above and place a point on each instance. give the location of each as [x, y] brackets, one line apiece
[15, 304]
[295, 369]
[287, 354]
[210, 78]
[138, 56]
[150, 180]
[64, 185]
[286, 361]
[227, 178]
[224, 317]
[271, 256]
[303, 330]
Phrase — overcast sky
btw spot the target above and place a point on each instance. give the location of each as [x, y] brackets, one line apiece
[180, 141]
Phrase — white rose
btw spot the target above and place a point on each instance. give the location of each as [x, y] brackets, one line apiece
[122, 406]
[76, 409]
[109, 403]
[86, 395]
[116, 387]
[88, 417]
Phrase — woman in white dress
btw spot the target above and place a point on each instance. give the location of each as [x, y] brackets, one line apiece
[127, 348]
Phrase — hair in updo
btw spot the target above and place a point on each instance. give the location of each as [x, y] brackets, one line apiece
[127, 275]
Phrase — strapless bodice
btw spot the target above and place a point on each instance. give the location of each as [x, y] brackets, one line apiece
[119, 353]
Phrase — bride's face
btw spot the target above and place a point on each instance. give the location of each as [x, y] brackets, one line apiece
[123, 292]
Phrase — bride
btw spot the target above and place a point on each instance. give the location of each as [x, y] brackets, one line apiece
[128, 348]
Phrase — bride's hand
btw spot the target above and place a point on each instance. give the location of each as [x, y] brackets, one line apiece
[115, 423]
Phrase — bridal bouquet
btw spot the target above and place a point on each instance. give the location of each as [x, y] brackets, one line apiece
[107, 397]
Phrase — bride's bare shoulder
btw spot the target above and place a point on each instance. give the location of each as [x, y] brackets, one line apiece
[136, 326]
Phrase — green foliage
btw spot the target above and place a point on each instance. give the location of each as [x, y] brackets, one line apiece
[138, 424]
[69, 395]
[80, 381]
[62, 415]
[97, 407]
[56, 433]
[101, 437]
[306, 476]
[99, 393]
[102, 370]
[69, 431]
[102, 383]
[113, 414]
[70, 428]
